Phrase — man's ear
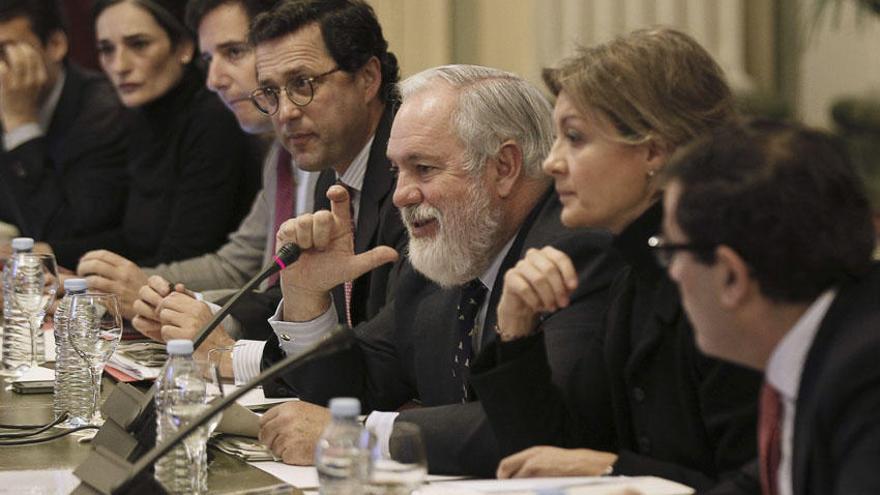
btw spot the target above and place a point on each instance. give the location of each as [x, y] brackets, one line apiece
[508, 167]
[56, 46]
[370, 78]
[733, 279]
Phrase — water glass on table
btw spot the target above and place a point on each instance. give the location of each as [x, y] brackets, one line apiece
[405, 470]
[30, 282]
[94, 327]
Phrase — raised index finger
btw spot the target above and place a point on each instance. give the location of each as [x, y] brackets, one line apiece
[340, 204]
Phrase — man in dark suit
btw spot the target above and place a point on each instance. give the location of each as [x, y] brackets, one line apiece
[768, 235]
[62, 168]
[467, 144]
[336, 124]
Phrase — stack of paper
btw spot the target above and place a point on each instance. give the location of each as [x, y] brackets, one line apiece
[141, 360]
[246, 449]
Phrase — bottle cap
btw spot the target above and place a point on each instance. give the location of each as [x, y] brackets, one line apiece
[345, 407]
[75, 285]
[22, 244]
[178, 347]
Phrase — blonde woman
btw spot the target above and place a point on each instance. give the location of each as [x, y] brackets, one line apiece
[622, 109]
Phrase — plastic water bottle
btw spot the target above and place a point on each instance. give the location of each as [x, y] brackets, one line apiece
[72, 382]
[180, 398]
[16, 327]
[342, 456]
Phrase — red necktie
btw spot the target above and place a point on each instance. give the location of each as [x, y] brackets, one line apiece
[285, 198]
[349, 284]
[769, 435]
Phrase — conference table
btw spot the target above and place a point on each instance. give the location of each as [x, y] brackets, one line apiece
[226, 474]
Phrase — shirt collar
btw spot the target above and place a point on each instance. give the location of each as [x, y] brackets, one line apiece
[488, 277]
[51, 103]
[354, 174]
[787, 360]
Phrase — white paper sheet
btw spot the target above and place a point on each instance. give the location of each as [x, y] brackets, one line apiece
[37, 374]
[56, 482]
[606, 485]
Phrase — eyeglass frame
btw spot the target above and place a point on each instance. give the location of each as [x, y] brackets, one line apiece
[311, 81]
[664, 251]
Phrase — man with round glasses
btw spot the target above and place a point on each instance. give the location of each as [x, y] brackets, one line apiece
[331, 106]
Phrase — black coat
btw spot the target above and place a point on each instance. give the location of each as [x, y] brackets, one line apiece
[71, 181]
[836, 448]
[677, 414]
[405, 353]
[194, 174]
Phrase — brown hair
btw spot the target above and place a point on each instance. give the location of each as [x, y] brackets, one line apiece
[656, 83]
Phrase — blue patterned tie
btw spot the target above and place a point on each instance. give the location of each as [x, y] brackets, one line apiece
[472, 295]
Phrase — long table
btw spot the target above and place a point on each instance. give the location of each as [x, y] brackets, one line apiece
[226, 474]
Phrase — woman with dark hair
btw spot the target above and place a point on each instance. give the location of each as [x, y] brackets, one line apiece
[622, 109]
[193, 173]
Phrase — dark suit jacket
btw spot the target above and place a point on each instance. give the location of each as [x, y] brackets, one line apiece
[378, 224]
[71, 181]
[836, 447]
[676, 413]
[406, 352]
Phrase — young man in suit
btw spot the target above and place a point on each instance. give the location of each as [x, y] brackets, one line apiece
[467, 145]
[768, 235]
[62, 164]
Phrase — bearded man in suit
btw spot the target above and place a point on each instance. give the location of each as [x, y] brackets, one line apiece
[467, 144]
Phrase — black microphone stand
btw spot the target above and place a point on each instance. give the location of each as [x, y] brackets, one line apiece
[127, 409]
[106, 474]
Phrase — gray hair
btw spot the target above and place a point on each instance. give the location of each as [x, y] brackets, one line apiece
[493, 106]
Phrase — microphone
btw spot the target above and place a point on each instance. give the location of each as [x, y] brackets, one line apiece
[128, 409]
[106, 474]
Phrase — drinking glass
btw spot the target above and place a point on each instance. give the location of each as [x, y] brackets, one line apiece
[94, 329]
[404, 471]
[34, 279]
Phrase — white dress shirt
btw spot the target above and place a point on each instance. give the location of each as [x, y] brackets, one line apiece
[784, 371]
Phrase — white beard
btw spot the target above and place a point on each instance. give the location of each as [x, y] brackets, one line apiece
[466, 234]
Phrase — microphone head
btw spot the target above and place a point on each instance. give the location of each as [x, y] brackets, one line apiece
[288, 253]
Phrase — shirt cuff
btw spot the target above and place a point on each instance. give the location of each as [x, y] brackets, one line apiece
[294, 338]
[230, 324]
[246, 358]
[21, 134]
[381, 424]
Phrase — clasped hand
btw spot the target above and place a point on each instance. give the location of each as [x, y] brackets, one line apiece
[541, 282]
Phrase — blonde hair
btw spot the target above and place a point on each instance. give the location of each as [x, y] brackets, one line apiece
[652, 83]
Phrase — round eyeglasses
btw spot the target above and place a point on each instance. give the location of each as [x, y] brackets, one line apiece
[665, 251]
[300, 91]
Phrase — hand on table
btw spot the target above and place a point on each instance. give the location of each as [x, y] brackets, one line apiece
[541, 282]
[546, 461]
[164, 314]
[109, 272]
[291, 431]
